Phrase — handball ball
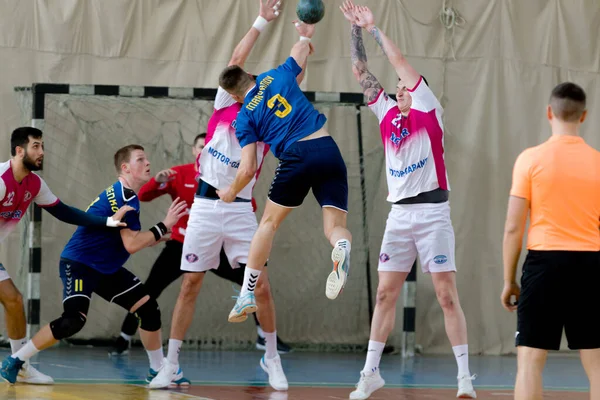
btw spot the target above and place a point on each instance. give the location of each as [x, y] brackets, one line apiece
[310, 11]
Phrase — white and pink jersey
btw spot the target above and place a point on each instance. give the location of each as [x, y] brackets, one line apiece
[220, 158]
[414, 145]
[15, 197]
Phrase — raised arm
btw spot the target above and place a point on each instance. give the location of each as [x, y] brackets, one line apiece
[303, 48]
[358, 55]
[406, 73]
[269, 10]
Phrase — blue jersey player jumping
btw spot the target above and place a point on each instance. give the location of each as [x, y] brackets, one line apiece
[276, 112]
[92, 262]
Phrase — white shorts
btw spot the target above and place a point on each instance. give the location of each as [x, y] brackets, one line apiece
[3, 273]
[418, 229]
[213, 225]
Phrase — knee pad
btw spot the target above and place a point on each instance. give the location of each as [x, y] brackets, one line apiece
[67, 325]
[149, 316]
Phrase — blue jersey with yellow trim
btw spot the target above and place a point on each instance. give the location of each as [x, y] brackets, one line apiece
[276, 111]
[102, 248]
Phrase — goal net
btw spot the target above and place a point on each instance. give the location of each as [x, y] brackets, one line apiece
[84, 126]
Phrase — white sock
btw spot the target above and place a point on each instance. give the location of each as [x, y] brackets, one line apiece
[173, 353]
[155, 357]
[126, 336]
[26, 352]
[271, 344]
[373, 356]
[344, 243]
[15, 345]
[250, 280]
[461, 353]
[260, 332]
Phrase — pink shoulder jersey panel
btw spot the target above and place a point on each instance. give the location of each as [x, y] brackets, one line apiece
[413, 145]
[220, 158]
[16, 197]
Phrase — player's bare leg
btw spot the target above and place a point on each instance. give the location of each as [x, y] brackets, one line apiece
[530, 364]
[334, 225]
[183, 313]
[260, 249]
[456, 328]
[271, 362]
[384, 318]
[14, 313]
[591, 363]
[14, 316]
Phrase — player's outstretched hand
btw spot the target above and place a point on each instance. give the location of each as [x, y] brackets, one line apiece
[270, 9]
[115, 220]
[177, 210]
[510, 290]
[303, 29]
[165, 175]
[348, 9]
[364, 17]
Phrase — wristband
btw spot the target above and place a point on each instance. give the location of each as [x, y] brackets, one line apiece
[260, 23]
[158, 230]
[304, 38]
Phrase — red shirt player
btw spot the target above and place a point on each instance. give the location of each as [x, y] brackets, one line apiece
[19, 187]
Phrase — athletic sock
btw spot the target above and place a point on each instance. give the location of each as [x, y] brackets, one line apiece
[173, 352]
[126, 336]
[461, 353]
[26, 352]
[373, 356]
[16, 344]
[250, 279]
[155, 357]
[271, 345]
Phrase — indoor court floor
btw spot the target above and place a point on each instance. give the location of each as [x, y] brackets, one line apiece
[89, 373]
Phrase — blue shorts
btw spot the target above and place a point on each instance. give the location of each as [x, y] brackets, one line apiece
[315, 164]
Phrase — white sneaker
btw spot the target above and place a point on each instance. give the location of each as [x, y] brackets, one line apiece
[465, 387]
[30, 375]
[166, 374]
[273, 368]
[337, 278]
[244, 305]
[367, 384]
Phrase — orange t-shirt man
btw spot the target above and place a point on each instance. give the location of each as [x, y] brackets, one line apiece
[561, 180]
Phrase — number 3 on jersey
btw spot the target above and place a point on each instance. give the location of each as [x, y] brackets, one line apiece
[283, 108]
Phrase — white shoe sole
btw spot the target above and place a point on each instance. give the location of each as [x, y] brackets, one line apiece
[276, 387]
[357, 397]
[335, 283]
[241, 317]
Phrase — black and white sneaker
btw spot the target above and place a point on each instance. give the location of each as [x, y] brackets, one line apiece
[120, 347]
[282, 348]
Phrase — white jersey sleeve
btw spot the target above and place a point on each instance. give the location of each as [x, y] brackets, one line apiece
[223, 99]
[423, 99]
[45, 197]
[381, 105]
[2, 189]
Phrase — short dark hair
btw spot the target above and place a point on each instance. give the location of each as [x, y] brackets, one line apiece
[124, 154]
[234, 79]
[20, 137]
[199, 136]
[568, 102]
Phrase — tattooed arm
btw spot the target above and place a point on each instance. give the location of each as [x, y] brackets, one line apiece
[405, 71]
[367, 80]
